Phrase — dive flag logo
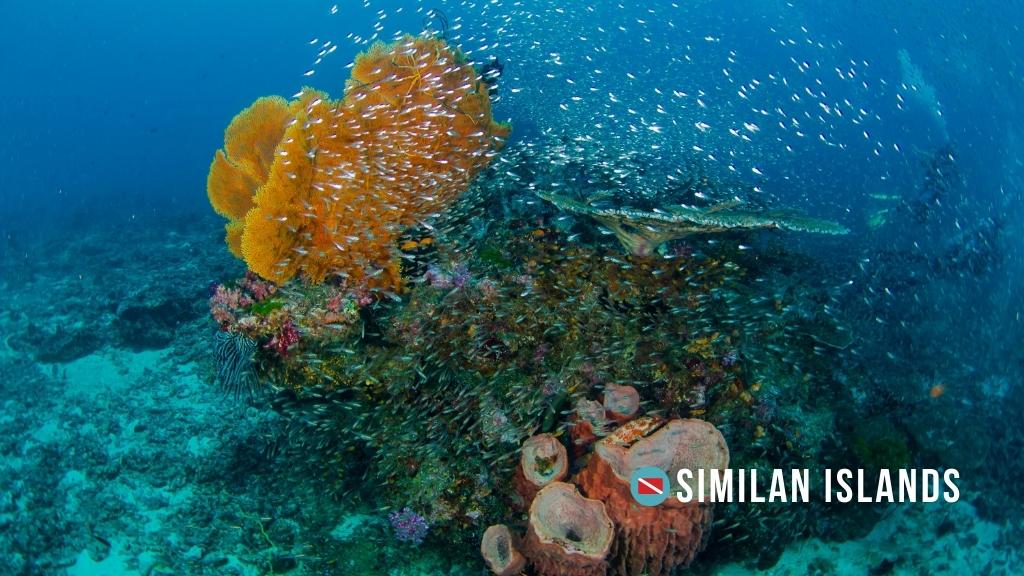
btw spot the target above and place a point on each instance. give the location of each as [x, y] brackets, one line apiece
[649, 486]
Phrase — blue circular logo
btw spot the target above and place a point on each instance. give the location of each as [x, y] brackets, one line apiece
[649, 486]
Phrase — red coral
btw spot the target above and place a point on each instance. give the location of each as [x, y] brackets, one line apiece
[285, 338]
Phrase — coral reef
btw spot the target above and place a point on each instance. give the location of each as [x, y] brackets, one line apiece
[138, 449]
[509, 327]
[330, 194]
[262, 324]
[432, 395]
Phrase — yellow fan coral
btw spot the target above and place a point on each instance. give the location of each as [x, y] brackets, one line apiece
[242, 167]
[346, 177]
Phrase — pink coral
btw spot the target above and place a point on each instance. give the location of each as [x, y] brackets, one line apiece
[257, 288]
[226, 303]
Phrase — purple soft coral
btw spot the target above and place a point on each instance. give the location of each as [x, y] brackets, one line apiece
[409, 526]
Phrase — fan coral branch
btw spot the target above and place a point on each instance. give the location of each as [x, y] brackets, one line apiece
[242, 167]
[347, 177]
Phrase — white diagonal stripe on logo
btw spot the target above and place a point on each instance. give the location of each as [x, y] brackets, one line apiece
[649, 485]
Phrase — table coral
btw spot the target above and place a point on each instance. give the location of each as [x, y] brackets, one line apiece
[347, 177]
[641, 232]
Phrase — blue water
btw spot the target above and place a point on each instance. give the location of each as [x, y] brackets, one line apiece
[111, 113]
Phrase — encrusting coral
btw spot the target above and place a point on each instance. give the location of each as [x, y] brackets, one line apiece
[343, 179]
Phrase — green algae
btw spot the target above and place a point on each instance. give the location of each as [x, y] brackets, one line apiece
[267, 306]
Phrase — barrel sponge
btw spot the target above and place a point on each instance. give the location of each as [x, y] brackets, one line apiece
[568, 535]
[242, 166]
[655, 540]
[621, 402]
[543, 460]
[498, 547]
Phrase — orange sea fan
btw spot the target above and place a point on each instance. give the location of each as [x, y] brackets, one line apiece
[347, 177]
[290, 209]
[242, 167]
